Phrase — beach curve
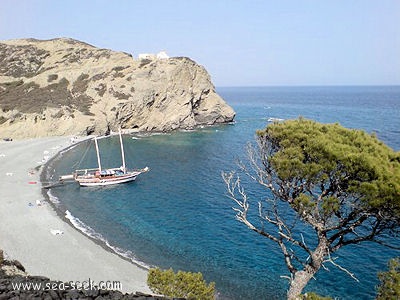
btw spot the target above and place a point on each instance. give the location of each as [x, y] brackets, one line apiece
[32, 232]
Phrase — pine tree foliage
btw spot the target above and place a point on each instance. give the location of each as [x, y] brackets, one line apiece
[186, 285]
[333, 175]
[313, 296]
[389, 287]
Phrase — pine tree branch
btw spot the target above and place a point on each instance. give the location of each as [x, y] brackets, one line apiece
[332, 261]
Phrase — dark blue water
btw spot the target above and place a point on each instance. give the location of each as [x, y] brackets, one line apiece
[178, 215]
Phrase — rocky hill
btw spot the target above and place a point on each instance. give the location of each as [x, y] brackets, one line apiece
[63, 86]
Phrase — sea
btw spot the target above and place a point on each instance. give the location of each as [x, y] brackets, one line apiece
[178, 214]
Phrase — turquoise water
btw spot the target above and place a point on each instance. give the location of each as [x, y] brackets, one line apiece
[177, 215]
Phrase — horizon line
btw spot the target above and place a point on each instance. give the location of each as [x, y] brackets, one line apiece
[306, 85]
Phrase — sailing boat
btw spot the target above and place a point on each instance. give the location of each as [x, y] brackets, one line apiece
[99, 176]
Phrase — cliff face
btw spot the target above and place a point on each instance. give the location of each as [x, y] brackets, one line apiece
[63, 86]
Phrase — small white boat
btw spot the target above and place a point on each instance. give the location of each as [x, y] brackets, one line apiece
[98, 176]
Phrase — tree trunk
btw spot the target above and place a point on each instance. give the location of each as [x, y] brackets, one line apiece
[302, 277]
[300, 280]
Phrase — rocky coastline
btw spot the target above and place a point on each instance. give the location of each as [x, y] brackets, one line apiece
[67, 87]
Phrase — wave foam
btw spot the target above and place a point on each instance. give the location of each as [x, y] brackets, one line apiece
[90, 232]
[52, 198]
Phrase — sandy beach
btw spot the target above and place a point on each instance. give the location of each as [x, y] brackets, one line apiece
[27, 230]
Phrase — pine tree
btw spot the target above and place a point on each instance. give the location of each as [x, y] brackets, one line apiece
[342, 183]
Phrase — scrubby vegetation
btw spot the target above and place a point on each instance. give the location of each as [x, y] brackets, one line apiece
[119, 68]
[180, 285]
[3, 120]
[101, 89]
[31, 98]
[99, 76]
[144, 62]
[13, 60]
[52, 77]
[389, 287]
[121, 96]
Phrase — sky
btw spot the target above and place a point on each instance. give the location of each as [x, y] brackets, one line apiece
[240, 43]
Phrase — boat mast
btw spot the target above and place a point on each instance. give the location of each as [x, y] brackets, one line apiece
[122, 151]
[98, 154]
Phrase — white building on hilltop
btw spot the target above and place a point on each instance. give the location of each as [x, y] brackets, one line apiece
[151, 56]
[162, 55]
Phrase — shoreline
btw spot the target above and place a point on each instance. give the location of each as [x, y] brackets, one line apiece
[27, 229]
[61, 211]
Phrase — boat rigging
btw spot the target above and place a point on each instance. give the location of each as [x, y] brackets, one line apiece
[99, 176]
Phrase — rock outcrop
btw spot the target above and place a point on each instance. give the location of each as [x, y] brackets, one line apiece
[64, 86]
[15, 283]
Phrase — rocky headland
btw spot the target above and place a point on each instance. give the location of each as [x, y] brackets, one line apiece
[67, 87]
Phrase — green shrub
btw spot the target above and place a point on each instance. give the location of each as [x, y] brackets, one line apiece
[389, 288]
[180, 285]
[314, 296]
